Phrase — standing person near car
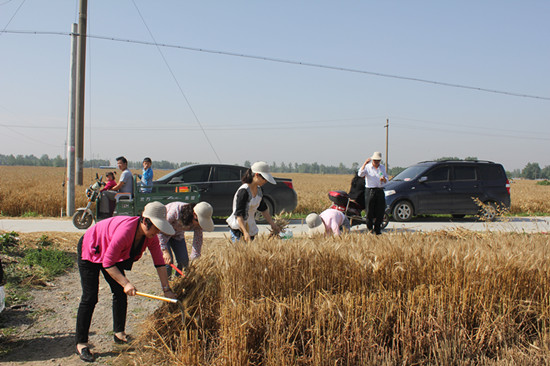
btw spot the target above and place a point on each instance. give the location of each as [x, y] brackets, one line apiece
[375, 200]
[111, 246]
[124, 185]
[185, 217]
[247, 200]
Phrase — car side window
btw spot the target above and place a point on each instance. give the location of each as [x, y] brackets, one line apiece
[228, 173]
[438, 174]
[198, 174]
[464, 173]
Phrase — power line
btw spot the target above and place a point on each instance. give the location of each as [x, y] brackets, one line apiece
[177, 83]
[292, 62]
[13, 16]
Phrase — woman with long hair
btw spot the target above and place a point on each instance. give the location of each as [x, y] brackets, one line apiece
[247, 200]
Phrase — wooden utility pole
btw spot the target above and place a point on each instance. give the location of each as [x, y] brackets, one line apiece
[387, 126]
[80, 88]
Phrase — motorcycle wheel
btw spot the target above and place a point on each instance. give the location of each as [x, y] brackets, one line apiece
[82, 220]
[385, 221]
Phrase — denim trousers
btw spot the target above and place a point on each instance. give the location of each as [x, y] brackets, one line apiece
[237, 235]
[89, 279]
[177, 248]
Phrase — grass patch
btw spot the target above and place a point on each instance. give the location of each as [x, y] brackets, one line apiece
[30, 263]
[51, 262]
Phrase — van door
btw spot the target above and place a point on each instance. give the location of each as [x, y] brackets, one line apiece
[433, 191]
[466, 188]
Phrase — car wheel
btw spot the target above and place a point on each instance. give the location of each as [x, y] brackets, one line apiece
[260, 219]
[458, 216]
[403, 211]
[82, 219]
[488, 211]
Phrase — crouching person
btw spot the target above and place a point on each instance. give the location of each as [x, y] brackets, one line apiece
[328, 222]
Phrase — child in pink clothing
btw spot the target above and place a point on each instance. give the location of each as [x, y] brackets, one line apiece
[110, 178]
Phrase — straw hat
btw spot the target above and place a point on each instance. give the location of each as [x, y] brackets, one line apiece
[377, 155]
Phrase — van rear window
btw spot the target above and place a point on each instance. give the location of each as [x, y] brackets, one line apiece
[491, 172]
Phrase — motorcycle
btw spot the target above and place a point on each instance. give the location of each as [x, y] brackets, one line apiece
[342, 202]
[84, 216]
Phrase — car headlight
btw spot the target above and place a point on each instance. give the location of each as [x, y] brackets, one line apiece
[389, 192]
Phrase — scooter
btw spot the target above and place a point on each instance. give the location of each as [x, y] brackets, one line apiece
[83, 217]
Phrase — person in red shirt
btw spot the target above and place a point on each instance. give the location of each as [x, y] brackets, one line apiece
[110, 178]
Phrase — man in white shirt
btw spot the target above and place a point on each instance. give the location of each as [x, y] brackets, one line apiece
[375, 200]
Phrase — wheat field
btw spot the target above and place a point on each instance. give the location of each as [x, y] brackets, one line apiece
[40, 191]
[444, 298]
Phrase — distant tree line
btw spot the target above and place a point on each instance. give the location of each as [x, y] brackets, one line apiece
[58, 161]
[530, 171]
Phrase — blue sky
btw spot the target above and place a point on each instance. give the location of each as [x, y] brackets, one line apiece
[169, 104]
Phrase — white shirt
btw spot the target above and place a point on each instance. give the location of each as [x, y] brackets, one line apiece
[372, 175]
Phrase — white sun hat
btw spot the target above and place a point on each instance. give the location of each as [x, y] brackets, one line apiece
[156, 212]
[315, 224]
[262, 168]
[204, 214]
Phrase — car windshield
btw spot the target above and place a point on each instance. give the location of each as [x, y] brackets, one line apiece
[410, 173]
[170, 175]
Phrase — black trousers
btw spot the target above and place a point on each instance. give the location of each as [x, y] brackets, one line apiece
[89, 279]
[375, 206]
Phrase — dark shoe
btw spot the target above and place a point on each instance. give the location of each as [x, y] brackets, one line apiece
[121, 341]
[85, 355]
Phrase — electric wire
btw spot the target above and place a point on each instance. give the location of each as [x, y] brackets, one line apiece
[277, 126]
[300, 63]
[177, 83]
[13, 16]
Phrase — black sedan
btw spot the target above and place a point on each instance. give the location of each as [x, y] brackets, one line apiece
[217, 184]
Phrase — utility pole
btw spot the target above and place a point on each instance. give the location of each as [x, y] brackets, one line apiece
[387, 126]
[80, 88]
[71, 127]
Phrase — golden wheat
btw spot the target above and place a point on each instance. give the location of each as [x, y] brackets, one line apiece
[457, 298]
[41, 191]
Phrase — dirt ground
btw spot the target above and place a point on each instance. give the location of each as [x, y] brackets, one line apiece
[45, 325]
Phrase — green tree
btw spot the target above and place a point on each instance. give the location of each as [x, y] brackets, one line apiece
[531, 171]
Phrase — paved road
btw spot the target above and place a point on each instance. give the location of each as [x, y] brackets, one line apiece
[508, 224]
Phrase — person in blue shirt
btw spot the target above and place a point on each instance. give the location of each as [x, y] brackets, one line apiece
[146, 176]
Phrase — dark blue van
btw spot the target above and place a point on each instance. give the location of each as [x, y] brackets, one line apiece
[451, 187]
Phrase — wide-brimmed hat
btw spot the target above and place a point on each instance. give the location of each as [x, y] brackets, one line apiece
[204, 214]
[156, 212]
[315, 224]
[377, 155]
[262, 168]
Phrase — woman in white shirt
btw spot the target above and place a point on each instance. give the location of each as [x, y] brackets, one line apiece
[247, 200]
